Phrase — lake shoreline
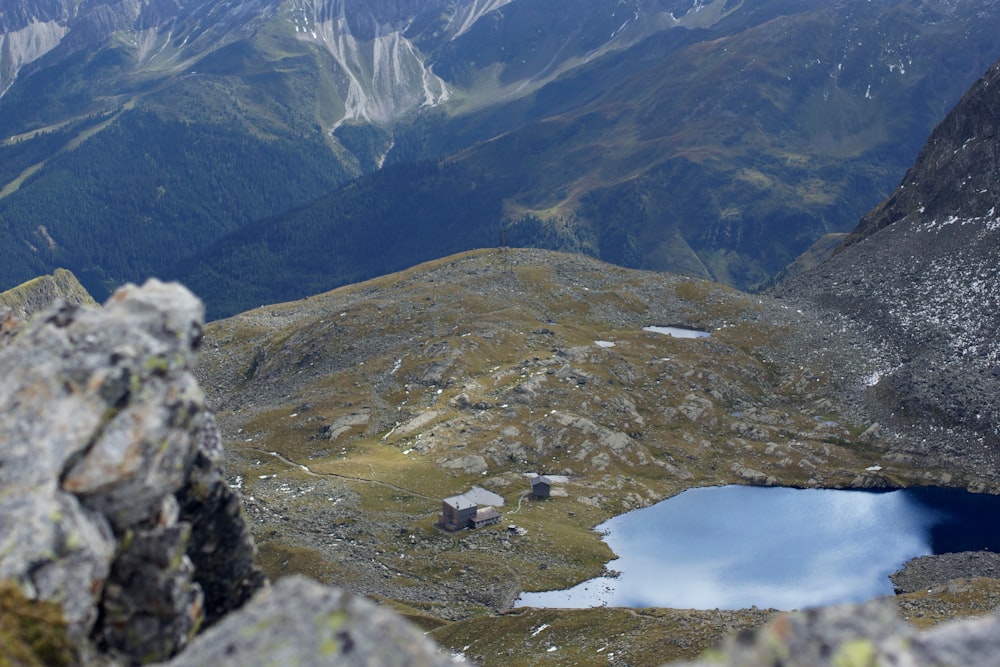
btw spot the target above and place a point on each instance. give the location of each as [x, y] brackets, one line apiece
[737, 547]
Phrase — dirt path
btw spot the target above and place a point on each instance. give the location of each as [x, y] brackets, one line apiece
[350, 478]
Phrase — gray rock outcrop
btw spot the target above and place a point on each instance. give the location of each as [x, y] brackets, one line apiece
[113, 503]
[925, 572]
[113, 507]
[30, 297]
[300, 622]
[870, 635]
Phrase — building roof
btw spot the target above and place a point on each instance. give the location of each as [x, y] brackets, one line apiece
[477, 495]
[481, 496]
[486, 514]
[541, 479]
[460, 502]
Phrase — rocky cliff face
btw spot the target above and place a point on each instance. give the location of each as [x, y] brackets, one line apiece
[27, 32]
[30, 297]
[921, 274]
[956, 177]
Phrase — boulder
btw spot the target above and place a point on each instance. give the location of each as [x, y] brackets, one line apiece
[118, 531]
[860, 636]
[113, 505]
[30, 297]
[473, 464]
[300, 622]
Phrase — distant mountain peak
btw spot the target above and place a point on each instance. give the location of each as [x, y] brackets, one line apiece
[957, 174]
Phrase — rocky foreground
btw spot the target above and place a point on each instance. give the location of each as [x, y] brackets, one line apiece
[119, 538]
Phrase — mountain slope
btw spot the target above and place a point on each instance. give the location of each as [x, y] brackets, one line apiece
[747, 144]
[921, 273]
[252, 84]
[717, 138]
[719, 153]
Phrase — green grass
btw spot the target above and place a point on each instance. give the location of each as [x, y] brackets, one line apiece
[32, 633]
[588, 637]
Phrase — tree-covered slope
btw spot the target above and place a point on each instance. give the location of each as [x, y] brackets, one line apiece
[146, 192]
[717, 138]
[722, 152]
[370, 227]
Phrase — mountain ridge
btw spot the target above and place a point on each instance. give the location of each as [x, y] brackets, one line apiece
[938, 309]
[28, 298]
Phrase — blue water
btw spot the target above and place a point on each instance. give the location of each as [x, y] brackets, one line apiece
[678, 332]
[733, 547]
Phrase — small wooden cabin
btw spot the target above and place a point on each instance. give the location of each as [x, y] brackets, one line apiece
[541, 486]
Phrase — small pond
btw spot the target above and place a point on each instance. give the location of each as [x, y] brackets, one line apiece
[733, 547]
[678, 332]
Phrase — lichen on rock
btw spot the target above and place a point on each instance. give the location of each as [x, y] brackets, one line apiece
[867, 635]
[300, 622]
[109, 470]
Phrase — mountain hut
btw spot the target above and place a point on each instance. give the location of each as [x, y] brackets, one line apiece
[541, 486]
[457, 512]
[485, 516]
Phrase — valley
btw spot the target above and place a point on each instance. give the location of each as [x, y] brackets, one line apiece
[716, 139]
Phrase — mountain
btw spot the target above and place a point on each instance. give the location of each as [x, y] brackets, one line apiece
[213, 142]
[920, 273]
[146, 557]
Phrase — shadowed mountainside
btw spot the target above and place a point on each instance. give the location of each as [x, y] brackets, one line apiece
[219, 142]
[920, 274]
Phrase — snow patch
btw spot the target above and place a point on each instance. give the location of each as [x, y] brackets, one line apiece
[677, 332]
[537, 630]
[990, 222]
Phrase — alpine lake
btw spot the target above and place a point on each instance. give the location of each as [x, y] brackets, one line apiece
[734, 547]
